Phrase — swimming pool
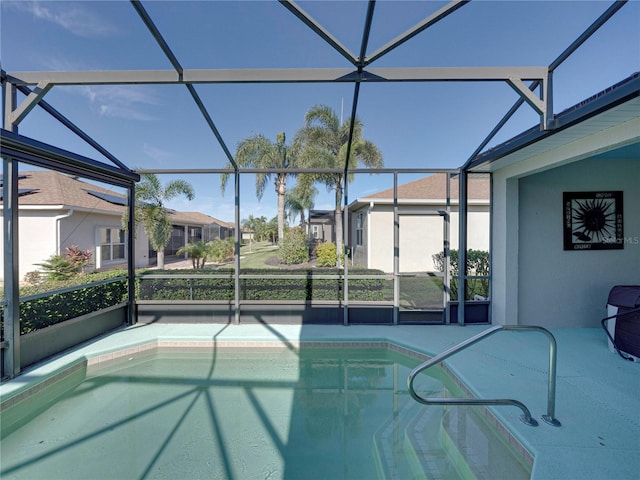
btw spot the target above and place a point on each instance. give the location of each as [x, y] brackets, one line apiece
[302, 412]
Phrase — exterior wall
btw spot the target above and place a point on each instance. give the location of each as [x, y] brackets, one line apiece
[37, 239]
[421, 236]
[325, 231]
[39, 231]
[505, 229]
[576, 293]
[359, 253]
[535, 281]
[84, 231]
[504, 254]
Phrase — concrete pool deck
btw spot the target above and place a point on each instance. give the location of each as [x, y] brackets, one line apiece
[597, 395]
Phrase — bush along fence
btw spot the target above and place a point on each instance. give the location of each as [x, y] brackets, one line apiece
[52, 302]
[56, 301]
[477, 276]
[260, 284]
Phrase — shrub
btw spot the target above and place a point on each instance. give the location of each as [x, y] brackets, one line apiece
[477, 263]
[63, 267]
[326, 255]
[294, 247]
[42, 312]
[220, 250]
[273, 286]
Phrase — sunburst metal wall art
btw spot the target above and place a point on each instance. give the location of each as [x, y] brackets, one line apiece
[593, 220]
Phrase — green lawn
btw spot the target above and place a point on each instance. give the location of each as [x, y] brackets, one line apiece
[257, 254]
[417, 293]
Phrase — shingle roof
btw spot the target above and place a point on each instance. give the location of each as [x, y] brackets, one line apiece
[57, 189]
[53, 188]
[434, 187]
[198, 218]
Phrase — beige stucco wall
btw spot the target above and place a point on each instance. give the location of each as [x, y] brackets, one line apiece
[37, 239]
[421, 235]
[83, 229]
[41, 230]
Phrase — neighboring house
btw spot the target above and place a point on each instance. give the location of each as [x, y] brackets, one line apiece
[189, 227]
[566, 206]
[421, 209]
[321, 229]
[57, 211]
[246, 234]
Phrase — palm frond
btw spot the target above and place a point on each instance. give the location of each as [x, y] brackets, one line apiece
[179, 187]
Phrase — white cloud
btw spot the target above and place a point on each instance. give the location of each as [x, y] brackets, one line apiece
[115, 111]
[69, 16]
[157, 154]
[117, 101]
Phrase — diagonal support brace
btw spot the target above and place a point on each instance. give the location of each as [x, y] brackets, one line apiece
[539, 105]
[30, 102]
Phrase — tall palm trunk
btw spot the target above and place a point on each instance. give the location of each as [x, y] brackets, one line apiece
[281, 190]
[160, 258]
[338, 224]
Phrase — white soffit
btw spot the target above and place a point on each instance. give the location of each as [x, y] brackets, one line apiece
[610, 119]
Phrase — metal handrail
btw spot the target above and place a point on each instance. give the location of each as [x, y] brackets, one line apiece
[526, 416]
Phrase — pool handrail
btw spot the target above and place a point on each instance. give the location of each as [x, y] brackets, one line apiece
[526, 416]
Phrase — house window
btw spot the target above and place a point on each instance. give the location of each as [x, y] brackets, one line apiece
[177, 240]
[194, 234]
[359, 225]
[314, 231]
[112, 244]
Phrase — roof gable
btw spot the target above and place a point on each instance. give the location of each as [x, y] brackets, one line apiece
[50, 188]
[198, 219]
[434, 187]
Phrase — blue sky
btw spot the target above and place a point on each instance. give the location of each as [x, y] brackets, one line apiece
[419, 125]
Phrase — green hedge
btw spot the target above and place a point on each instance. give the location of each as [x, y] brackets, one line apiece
[268, 288]
[55, 308]
[58, 307]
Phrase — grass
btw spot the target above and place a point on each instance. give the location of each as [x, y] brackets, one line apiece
[257, 254]
[415, 292]
[421, 293]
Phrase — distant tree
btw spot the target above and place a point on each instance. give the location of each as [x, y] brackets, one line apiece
[269, 230]
[196, 251]
[150, 210]
[300, 199]
[249, 225]
[324, 142]
[258, 225]
[259, 152]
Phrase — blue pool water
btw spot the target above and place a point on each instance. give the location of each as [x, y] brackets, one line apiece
[307, 413]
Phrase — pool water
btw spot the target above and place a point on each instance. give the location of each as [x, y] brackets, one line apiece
[277, 413]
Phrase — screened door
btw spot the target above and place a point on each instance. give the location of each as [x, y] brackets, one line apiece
[421, 279]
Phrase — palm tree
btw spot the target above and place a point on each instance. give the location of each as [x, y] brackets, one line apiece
[196, 251]
[151, 196]
[300, 198]
[325, 142]
[259, 152]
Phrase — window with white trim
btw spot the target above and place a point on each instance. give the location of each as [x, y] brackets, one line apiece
[112, 246]
[315, 231]
[359, 228]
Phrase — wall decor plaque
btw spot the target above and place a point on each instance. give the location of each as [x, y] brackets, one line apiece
[593, 220]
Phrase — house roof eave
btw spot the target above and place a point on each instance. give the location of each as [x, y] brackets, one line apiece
[363, 202]
[625, 91]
